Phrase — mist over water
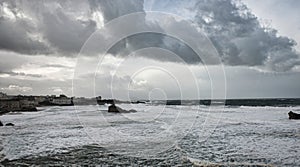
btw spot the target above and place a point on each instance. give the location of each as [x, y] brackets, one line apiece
[155, 135]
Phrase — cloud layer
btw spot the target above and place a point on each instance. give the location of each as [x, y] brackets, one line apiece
[241, 40]
[62, 27]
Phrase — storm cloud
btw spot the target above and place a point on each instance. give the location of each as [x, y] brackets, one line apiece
[15, 32]
[241, 40]
[236, 33]
[49, 27]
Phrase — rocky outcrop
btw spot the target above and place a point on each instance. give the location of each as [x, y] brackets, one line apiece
[293, 115]
[115, 109]
[9, 124]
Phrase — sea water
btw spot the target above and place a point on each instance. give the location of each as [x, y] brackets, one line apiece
[155, 135]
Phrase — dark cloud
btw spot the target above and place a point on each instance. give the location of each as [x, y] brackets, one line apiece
[49, 26]
[15, 32]
[241, 40]
[116, 8]
[62, 27]
[235, 32]
[157, 40]
[65, 33]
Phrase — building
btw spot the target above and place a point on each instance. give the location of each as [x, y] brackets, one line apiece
[40, 99]
[17, 103]
[61, 100]
[84, 101]
[7, 105]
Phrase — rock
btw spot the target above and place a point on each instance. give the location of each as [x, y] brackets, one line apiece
[293, 115]
[115, 109]
[132, 110]
[1, 124]
[9, 124]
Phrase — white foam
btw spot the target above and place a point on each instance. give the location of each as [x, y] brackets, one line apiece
[255, 132]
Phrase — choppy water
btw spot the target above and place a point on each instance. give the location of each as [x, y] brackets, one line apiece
[155, 135]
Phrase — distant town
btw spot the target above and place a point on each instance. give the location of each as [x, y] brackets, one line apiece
[10, 103]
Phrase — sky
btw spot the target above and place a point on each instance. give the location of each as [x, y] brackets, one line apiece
[154, 49]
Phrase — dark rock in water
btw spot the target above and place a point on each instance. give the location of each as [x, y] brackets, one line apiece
[9, 124]
[293, 115]
[115, 109]
[1, 124]
[132, 110]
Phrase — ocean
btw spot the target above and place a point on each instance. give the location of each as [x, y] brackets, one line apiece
[156, 135]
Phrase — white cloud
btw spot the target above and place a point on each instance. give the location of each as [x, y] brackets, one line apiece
[17, 88]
